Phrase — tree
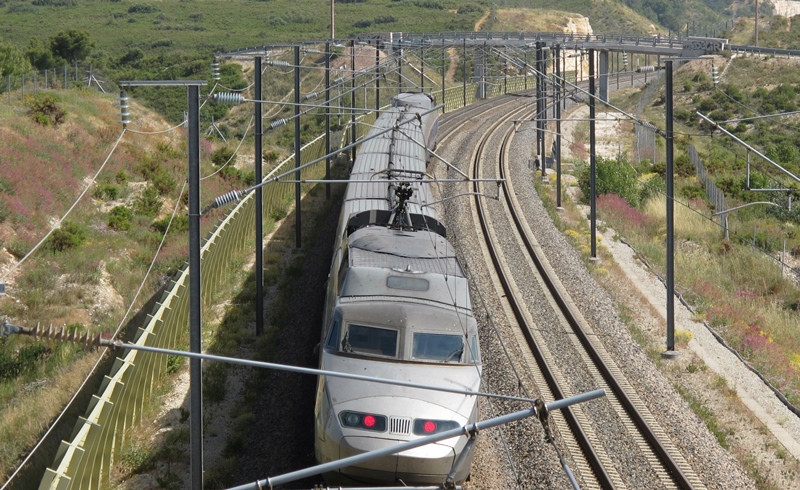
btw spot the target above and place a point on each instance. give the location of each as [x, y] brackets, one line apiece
[12, 60]
[71, 45]
[40, 55]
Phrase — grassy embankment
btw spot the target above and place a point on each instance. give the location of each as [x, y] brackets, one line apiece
[737, 288]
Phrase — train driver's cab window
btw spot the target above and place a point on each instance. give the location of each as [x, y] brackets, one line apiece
[343, 268]
[437, 347]
[370, 340]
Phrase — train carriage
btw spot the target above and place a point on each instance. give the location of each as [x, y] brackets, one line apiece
[398, 307]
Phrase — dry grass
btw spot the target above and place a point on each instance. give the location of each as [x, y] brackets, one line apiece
[88, 288]
[738, 290]
[21, 424]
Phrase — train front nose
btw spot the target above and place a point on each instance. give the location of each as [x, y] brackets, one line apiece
[427, 465]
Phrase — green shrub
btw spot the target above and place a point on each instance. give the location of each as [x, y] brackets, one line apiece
[223, 155]
[45, 109]
[121, 178]
[179, 224]
[163, 183]
[120, 218]
[148, 203]
[469, 8]
[612, 177]
[106, 192]
[142, 9]
[70, 235]
[26, 359]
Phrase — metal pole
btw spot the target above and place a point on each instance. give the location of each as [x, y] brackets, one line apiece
[353, 98]
[464, 61]
[670, 218]
[444, 109]
[400, 71]
[756, 43]
[525, 74]
[298, 214]
[505, 78]
[592, 159]
[377, 78]
[544, 107]
[195, 312]
[563, 81]
[328, 111]
[422, 69]
[259, 198]
[539, 116]
[557, 107]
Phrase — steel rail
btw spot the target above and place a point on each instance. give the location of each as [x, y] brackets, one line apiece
[592, 459]
[669, 464]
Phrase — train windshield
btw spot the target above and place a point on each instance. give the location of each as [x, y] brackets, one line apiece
[370, 340]
[438, 347]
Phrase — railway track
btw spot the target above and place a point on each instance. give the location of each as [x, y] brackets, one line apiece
[583, 432]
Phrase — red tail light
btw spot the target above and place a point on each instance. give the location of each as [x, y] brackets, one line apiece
[360, 420]
[426, 427]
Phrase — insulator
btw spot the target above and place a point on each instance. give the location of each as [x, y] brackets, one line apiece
[338, 81]
[714, 74]
[278, 123]
[215, 70]
[278, 63]
[230, 98]
[122, 105]
[646, 69]
[228, 197]
[313, 51]
[58, 333]
[312, 95]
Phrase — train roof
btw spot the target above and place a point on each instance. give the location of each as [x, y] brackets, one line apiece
[421, 266]
[413, 99]
[418, 251]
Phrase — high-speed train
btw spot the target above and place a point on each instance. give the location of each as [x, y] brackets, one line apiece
[397, 307]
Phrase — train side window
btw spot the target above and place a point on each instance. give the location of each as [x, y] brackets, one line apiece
[370, 340]
[343, 268]
[333, 335]
[437, 347]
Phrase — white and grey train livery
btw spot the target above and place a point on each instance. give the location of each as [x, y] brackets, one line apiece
[397, 307]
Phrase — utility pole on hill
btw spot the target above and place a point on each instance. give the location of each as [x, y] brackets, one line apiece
[756, 22]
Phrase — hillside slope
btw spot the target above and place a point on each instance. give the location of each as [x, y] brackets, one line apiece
[87, 274]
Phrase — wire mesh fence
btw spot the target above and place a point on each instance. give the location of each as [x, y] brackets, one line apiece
[15, 88]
